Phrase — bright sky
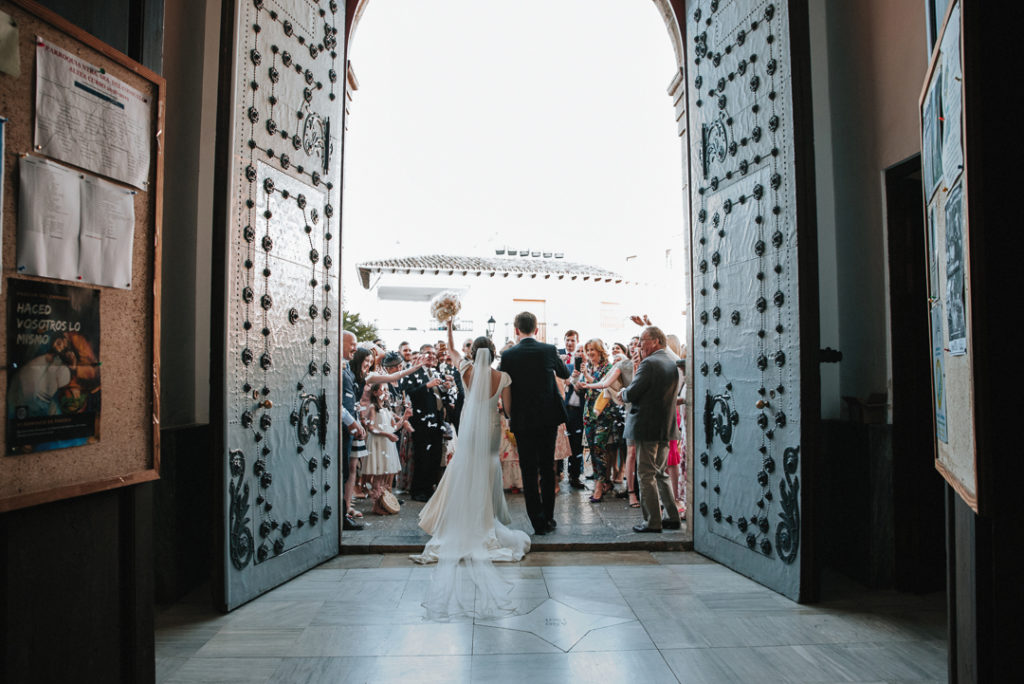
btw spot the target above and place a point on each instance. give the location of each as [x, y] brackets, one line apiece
[535, 124]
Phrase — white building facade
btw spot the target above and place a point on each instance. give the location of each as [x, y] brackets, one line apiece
[564, 295]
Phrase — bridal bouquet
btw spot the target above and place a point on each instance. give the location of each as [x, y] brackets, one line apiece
[445, 306]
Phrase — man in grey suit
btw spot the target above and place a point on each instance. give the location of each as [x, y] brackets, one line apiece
[653, 396]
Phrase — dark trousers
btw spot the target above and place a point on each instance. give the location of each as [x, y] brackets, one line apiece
[574, 426]
[346, 450]
[537, 455]
[427, 446]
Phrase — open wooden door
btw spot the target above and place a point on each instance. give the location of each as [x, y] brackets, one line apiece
[755, 347]
[277, 324]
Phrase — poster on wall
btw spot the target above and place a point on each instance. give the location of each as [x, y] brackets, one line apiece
[932, 133]
[53, 349]
[939, 374]
[86, 117]
[956, 309]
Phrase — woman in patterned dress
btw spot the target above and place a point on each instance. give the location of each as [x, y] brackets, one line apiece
[597, 425]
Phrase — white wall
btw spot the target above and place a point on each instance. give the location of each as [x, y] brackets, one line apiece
[828, 296]
[876, 65]
[191, 42]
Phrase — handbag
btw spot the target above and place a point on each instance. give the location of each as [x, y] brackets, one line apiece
[602, 401]
[386, 504]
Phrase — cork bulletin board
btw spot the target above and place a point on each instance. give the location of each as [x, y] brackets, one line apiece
[124, 447]
[947, 235]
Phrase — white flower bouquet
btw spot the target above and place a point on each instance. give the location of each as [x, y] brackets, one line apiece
[445, 306]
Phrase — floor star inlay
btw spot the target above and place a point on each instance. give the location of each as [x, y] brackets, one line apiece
[556, 623]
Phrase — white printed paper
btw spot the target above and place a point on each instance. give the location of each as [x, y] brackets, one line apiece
[108, 231]
[74, 227]
[49, 215]
[952, 100]
[90, 119]
[931, 154]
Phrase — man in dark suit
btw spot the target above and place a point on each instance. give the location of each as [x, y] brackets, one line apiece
[452, 390]
[653, 396]
[574, 400]
[537, 411]
[427, 422]
[353, 428]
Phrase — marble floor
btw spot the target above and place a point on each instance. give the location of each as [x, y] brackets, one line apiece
[631, 616]
[582, 526]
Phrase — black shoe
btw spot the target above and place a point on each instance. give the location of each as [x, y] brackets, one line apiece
[644, 528]
[552, 525]
[540, 530]
[591, 477]
[576, 484]
[401, 501]
[351, 524]
[669, 524]
[421, 497]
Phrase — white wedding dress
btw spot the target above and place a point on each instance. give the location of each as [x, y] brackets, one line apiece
[468, 517]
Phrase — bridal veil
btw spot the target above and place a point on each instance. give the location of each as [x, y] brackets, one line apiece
[467, 514]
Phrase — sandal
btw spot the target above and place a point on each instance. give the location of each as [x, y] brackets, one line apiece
[633, 504]
[353, 513]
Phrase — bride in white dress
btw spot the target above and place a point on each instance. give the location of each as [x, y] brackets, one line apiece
[468, 517]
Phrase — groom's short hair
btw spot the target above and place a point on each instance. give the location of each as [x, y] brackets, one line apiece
[526, 322]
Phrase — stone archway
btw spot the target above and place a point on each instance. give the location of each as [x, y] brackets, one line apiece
[675, 82]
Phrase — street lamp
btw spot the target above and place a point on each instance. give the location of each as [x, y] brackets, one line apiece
[490, 326]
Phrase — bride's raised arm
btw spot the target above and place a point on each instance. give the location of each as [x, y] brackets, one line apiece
[452, 350]
[467, 376]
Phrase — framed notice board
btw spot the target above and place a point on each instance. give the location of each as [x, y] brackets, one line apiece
[948, 246]
[82, 178]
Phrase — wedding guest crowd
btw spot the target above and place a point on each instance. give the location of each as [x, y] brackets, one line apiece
[401, 412]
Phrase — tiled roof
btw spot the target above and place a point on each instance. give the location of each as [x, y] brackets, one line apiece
[442, 264]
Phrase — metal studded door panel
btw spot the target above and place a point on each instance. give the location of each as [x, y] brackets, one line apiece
[281, 345]
[749, 347]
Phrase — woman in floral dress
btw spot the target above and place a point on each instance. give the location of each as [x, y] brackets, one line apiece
[511, 475]
[597, 425]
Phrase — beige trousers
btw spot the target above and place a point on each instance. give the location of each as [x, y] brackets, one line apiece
[651, 461]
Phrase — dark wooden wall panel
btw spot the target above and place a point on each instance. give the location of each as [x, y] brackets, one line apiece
[185, 510]
[988, 603]
[76, 590]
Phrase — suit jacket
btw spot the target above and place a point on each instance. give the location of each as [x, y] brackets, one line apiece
[423, 399]
[561, 355]
[348, 398]
[653, 397]
[536, 401]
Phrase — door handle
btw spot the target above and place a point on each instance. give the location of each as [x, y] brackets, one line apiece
[829, 355]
